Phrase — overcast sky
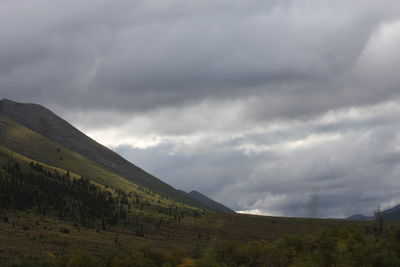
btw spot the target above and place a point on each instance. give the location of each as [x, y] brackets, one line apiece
[265, 106]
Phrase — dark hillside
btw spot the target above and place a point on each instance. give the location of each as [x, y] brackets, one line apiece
[392, 214]
[358, 217]
[210, 203]
[46, 123]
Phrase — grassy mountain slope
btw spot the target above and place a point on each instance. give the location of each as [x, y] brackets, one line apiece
[8, 157]
[30, 144]
[25, 184]
[17, 138]
[46, 123]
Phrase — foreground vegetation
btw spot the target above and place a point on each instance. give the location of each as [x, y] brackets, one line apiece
[330, 247]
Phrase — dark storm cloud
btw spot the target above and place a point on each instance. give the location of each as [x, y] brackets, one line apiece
[263, 105]
[139, 55]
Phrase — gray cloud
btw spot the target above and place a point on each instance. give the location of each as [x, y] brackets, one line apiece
[138, 55]
[352, 161]
[256, 103]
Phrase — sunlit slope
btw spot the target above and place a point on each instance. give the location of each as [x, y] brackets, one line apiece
[36, 147]
[46, 123]
[24, 162]
[134, 191]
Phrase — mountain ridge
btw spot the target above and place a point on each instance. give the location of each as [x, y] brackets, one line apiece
[358, 217]
[21, 140]
[391, 214]
[43, 121]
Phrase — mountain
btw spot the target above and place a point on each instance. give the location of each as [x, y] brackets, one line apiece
[21, 140]
[211, 204]
[392, 214]
[36, 132]
[358, 217]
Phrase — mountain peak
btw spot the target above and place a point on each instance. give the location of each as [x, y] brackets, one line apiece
[6, 103]
[11, 106]
[33, 116]
[6, 100]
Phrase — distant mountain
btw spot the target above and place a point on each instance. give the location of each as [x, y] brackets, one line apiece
[211, 204]
[393, 210]
[43, 123]
[392, 214]
[358, 217]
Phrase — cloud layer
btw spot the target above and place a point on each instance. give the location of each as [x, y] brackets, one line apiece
[266, 106]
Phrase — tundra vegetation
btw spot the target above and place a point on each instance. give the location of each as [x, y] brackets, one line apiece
[330, 247]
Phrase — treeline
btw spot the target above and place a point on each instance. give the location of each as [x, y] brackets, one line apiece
[331, 247]
[173, 210]
[49, 191]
